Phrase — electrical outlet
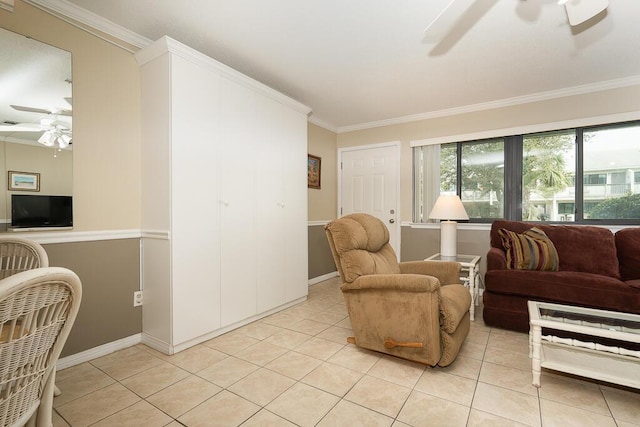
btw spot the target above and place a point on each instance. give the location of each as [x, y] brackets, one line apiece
[137, 298]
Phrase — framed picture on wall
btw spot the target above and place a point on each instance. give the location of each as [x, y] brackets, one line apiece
[24, 181]
[313, 171]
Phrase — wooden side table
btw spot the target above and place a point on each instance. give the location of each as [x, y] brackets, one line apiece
[470, 264]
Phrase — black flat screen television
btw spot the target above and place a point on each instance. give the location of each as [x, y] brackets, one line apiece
[29, 211]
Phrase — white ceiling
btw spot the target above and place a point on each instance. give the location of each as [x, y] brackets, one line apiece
[361, 62]
[33, 75]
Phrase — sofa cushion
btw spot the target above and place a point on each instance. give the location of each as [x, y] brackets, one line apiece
[634, 283]
[580, 248]
[628, 246]
[566, 287]
[531, 250]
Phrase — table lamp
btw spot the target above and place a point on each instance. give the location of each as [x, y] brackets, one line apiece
[448, 208]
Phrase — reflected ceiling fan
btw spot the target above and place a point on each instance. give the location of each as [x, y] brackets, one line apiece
[56, 133]
[56, 130]
[578, 12]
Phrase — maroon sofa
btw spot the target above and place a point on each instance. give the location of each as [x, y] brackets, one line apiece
[597, 268]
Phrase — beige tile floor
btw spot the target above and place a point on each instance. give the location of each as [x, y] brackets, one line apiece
[294, 368]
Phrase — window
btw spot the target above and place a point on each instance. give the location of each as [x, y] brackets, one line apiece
[595, 179]
[482, 171]
[548, 163]
[583, 175]
[613, 154]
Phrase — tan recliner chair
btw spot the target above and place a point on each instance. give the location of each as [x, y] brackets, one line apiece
[414, 310]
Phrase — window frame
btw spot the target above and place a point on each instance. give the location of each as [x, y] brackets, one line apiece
[513, 170]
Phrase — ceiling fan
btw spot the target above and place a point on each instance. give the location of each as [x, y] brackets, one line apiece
[578, 12]
[56, 132]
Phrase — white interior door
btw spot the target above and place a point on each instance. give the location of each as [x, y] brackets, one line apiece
[369, 179]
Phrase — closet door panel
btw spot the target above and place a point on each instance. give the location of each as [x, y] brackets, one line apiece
[295, 179]
[270, 205]
[195, 222]
[237, 203]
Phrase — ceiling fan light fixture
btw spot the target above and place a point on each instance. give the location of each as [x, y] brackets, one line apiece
[47, 139]
[63, 141]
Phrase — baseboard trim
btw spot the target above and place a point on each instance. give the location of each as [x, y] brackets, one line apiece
[156, 344]
[323, 278]
[101, 350]
[169, 349]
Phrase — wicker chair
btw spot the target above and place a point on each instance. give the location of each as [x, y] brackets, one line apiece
[18, 254]
[37, 310]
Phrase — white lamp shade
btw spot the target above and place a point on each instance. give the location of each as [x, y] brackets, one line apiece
[448, 207]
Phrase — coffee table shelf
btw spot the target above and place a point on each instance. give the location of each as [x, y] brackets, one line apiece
[615, 364]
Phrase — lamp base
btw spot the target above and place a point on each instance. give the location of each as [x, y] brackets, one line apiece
[448, 238]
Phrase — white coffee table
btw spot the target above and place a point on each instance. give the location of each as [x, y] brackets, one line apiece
[617, 365]
[469, 264]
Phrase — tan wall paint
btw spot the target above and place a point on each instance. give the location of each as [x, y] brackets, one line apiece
[320, 258]
[106, 120]
[420, 243]
[579, 107]
[322, 202]
[110, 274]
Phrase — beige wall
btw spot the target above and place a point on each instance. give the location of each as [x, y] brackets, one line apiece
[323, 202]
[579, 108]
[106, 120]
[106, 176]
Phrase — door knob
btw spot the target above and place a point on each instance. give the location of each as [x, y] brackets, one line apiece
[391, 221]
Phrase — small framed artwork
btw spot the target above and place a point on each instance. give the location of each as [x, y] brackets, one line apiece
[24, 181]
[313, 171]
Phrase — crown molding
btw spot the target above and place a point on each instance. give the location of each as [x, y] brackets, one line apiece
[321, 123]
[501, 103]
[75, 15]
[167, 44]
[528, 129]
[6, 5]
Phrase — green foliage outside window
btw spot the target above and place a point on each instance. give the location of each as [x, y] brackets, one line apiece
[625, 207]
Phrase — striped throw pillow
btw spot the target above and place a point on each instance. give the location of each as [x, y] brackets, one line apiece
[531, 250]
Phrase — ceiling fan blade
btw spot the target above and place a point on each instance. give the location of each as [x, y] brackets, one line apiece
[579, 11]
[22, 127]
[440, 26]
[30, 109]
[60, 112]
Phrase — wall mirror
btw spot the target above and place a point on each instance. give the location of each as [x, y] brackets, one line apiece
[36, 136]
